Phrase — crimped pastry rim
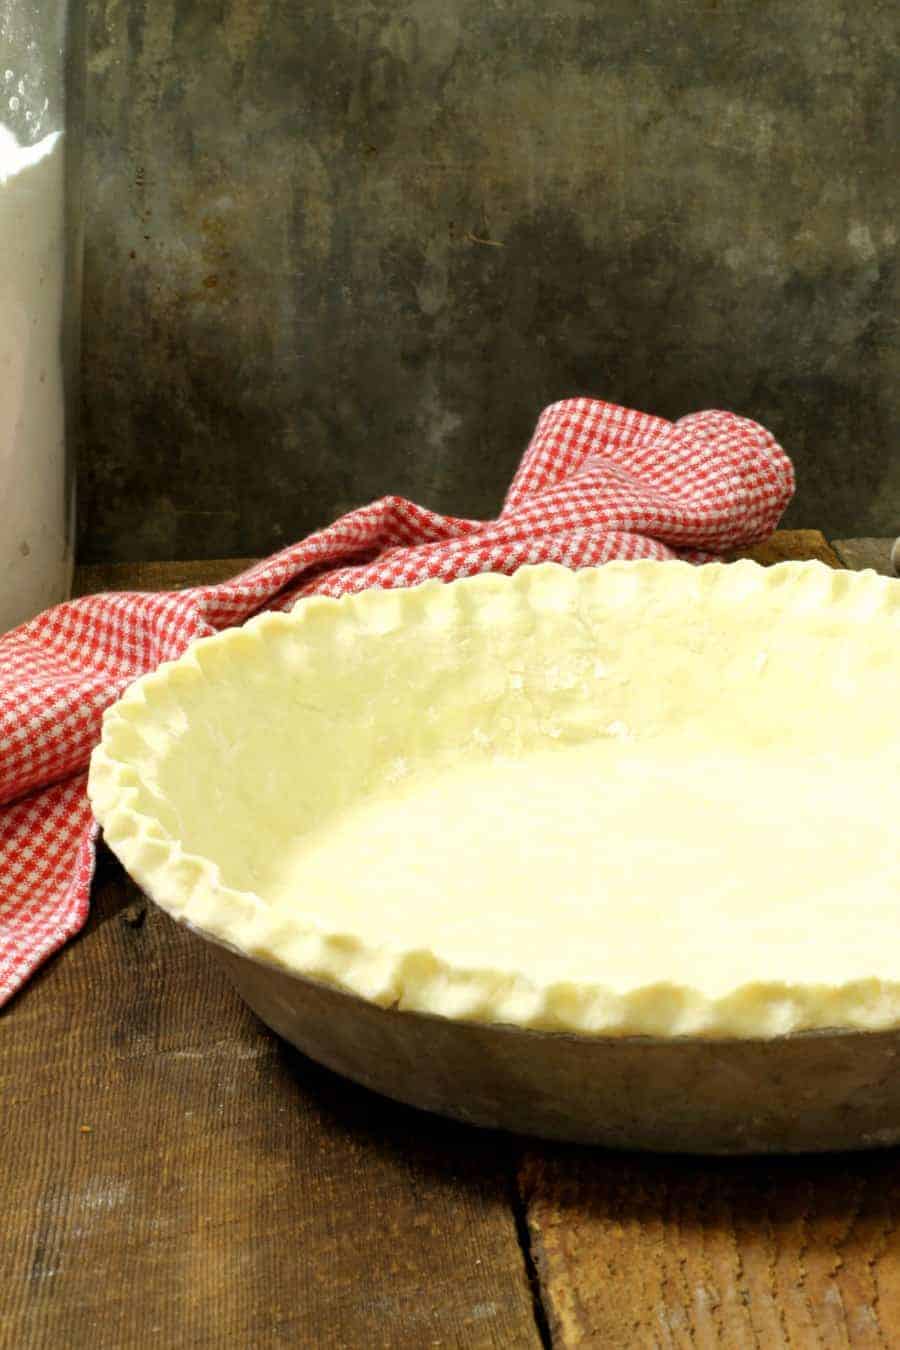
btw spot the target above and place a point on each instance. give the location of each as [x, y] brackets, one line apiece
[188, 886]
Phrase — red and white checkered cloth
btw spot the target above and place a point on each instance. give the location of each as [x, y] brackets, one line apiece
[597, 482]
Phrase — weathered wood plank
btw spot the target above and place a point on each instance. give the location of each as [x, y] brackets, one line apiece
[678, 1252]
[861, 553]
[791, 546]
[155, 576]
[172, 1174]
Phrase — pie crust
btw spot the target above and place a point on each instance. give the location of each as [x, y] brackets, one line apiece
[642, 799]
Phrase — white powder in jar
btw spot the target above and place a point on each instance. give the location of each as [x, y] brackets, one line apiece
[35, 544]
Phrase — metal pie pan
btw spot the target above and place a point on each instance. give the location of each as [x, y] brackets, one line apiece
[806, 1092]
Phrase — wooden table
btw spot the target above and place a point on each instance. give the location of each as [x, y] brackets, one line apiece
[173, 1175]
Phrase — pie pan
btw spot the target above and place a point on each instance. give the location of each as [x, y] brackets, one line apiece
[603, 855]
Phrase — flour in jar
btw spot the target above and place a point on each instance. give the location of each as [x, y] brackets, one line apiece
[34, 511]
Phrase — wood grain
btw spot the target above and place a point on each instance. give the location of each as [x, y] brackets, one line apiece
[635, 1251]
[155, 576]
[793, 546]
[650, 1251]
[174, 1175]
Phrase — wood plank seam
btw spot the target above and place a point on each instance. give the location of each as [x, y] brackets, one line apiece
[532, 1274]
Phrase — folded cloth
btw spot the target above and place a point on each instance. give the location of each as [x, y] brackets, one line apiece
[596, 482]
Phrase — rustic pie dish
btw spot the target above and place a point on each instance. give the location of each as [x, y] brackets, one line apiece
[606, 855]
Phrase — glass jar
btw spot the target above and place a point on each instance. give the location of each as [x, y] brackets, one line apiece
[41, 138]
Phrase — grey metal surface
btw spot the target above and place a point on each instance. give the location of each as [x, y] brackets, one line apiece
[340, 250]
[808, 1093]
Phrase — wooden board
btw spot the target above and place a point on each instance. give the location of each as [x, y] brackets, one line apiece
[155, 576]
[639, 1251]
[793, 546]
[173, 1175]
[673, 1252]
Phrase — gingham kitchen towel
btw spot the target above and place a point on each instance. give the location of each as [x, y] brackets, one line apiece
[597, 482]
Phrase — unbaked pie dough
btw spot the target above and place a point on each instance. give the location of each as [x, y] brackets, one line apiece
[646, 798]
